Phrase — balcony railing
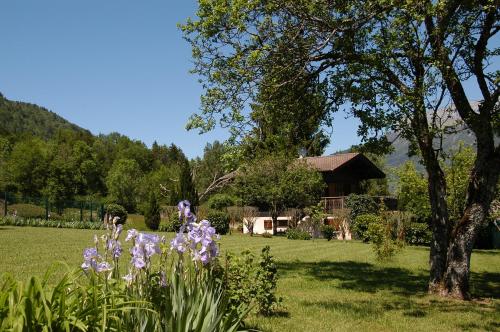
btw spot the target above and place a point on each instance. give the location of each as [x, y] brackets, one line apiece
[339, 202]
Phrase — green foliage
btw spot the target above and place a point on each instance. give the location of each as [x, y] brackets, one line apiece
[219, 220]
[328, 232]
[173, 224]
[275, 183]
[412, 192]
[380, 234]
[249, 282]
[221, 201]
[62, 223]
[123, 183]
[239, 278]
[418, 234]
[361, 204]
[297, 234]
[18, 119]
[361, 225]
[266, 280]
[267, 235]
[27, 165]
[116, 210]
[457, 170]
[152, 215]
[186, 189]
[27, 211]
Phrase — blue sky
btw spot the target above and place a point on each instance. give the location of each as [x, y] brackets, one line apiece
[112, 66]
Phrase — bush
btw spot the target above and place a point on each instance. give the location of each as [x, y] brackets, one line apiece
[152, 216]
[220, 201]
[116, 210]
[380, 234]
[361, 223]
[328, 232]
[247, 282]
[267, 235]
[172, 225]
[31, 222]
[30, 211]
[220, 221]
[418, 234]
[361, 204]
[296, 234]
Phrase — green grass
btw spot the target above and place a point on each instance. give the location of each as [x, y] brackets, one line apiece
[326, 286]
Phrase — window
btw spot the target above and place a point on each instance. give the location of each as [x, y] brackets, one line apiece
[283, 223]
[268, 224]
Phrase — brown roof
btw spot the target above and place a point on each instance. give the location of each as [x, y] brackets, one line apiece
[330, 163]
[346, 165]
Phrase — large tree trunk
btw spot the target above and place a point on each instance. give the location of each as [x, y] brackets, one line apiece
[274, 216]
[480, 193]
[437, 196]
[440, 229]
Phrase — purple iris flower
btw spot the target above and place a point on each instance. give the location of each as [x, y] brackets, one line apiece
[131, 234]
[103, 267]
[117, 250]
[138, 262]
[178, 243]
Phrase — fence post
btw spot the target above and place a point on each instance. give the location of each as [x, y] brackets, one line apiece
[102, 212]
[5, 205]
[81, 211]
[91, 211]
[46, 209]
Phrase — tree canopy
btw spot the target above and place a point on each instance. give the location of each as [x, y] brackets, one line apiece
[396, 65]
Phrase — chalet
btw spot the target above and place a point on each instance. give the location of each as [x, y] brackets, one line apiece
[342, 173]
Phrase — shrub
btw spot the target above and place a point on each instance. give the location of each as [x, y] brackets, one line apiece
[220, 201]
[267, 279]
[116, 210]
[418, 234]
[31, 222]
[328, 232]
[246, 282]
[380, 234]
[361, 223]
[152, 216]
[361, 204]
[220, 221]
[267, 235]
[172, 225]
[296, 234]
[30, 211]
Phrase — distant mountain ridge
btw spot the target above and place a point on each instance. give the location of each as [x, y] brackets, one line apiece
[18, 118]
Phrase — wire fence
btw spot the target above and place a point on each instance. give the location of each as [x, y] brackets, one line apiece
[43, 208]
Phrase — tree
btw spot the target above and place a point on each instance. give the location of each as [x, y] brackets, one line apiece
[123, 183]
[397, 66]
[152, 214]
[276, 183]
[186, 189]
[412, 192]
[280, 124]
[28, 165]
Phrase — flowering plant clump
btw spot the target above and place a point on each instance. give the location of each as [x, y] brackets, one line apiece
[200, 240]
[170, 282]
[112, 250]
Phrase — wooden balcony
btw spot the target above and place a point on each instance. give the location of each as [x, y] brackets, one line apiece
[338, 203]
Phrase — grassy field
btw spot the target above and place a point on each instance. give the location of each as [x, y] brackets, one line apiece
[326, 286]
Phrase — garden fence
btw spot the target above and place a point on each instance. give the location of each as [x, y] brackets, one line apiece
[45, 208]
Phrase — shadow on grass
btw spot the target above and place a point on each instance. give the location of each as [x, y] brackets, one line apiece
[365, 277]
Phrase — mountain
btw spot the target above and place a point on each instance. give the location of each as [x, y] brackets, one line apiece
[400, 154]
[19, 118]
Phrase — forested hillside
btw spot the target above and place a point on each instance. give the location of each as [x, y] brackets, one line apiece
[44, 155]
[18, 118]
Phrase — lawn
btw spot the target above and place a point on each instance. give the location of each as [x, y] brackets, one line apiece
[325, 286]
